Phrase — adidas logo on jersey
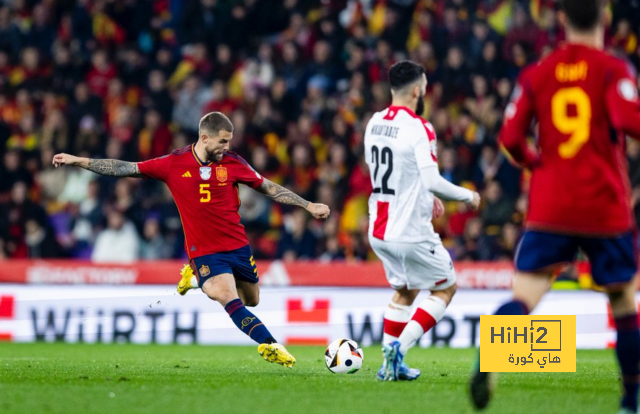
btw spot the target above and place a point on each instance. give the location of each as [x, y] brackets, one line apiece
[187, 174]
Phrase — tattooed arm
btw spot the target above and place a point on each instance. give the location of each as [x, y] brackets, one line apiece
[282, 195]
[113, 168]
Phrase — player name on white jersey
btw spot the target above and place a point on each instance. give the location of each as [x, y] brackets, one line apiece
[386, 130]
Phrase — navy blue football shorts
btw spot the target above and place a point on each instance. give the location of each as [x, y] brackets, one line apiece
[613, 259]
[240, 263]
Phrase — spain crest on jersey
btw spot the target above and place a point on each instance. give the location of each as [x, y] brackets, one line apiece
[221, 174]
[205, 173]
[204, 271]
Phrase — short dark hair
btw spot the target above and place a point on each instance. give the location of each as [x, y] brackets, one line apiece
[582, 14]
[214, 122]
[404, 73]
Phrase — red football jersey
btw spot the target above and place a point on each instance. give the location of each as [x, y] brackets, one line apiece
[584, 101]
[207, 197]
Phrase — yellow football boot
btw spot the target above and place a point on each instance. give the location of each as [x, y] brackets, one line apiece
[276, 353]
[185, 282]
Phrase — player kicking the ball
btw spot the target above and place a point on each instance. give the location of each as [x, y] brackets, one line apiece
[400, 149]
[203, 179]
[585, 102]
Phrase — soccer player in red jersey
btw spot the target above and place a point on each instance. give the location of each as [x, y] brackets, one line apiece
[203, 179]
[585, 103]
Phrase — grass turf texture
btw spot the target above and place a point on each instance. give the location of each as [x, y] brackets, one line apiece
[63, 378]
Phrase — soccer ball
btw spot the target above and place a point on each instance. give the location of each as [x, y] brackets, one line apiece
[343, 356]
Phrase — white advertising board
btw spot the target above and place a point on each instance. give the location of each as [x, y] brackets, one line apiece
[145, 314]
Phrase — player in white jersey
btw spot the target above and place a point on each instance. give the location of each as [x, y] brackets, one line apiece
[400, 149]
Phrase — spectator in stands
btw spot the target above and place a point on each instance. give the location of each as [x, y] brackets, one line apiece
[480, 35]
[164, 62]
[482, 103]
[448, 166]
[42, 32]
[624, 39]
[455, 76]
[10, 36]
[474, 245]
[333, 250]
[101, 72]
[153, 245]
[509, 238]
[297, 242]
[154, 139]
[255, 209]
[55, 132]
[523, 32]
[118, 243]
[41, 244]
[224, 66]
[86, 217]
[157, 96]
[457, 222]
[14, 215]
[12, 171]
[65, 72]
[192, 98]
[498, 209]
[492, 165]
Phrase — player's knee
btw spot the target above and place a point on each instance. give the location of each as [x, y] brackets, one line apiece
[446, 294]
[450, 291]
[219, 295]
[405, 296]
[622, 299]
[252, 301]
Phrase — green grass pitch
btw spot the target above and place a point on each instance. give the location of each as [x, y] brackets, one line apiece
[62, 378]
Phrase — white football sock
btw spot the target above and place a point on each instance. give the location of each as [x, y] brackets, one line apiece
[428, 313]
[395, 319]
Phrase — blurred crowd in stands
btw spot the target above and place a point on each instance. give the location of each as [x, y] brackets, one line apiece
[299, 79]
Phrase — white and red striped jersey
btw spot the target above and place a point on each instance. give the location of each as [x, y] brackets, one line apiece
[398, 144]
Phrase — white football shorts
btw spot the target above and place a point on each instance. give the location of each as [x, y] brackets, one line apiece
[422, 265]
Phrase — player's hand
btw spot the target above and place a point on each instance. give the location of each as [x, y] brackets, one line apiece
[66, 159]
[438, 208]
[319, 211]
[475, 203]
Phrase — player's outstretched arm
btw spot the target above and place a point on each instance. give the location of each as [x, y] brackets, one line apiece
[433, 181]
[282, 195]
[113, 168]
